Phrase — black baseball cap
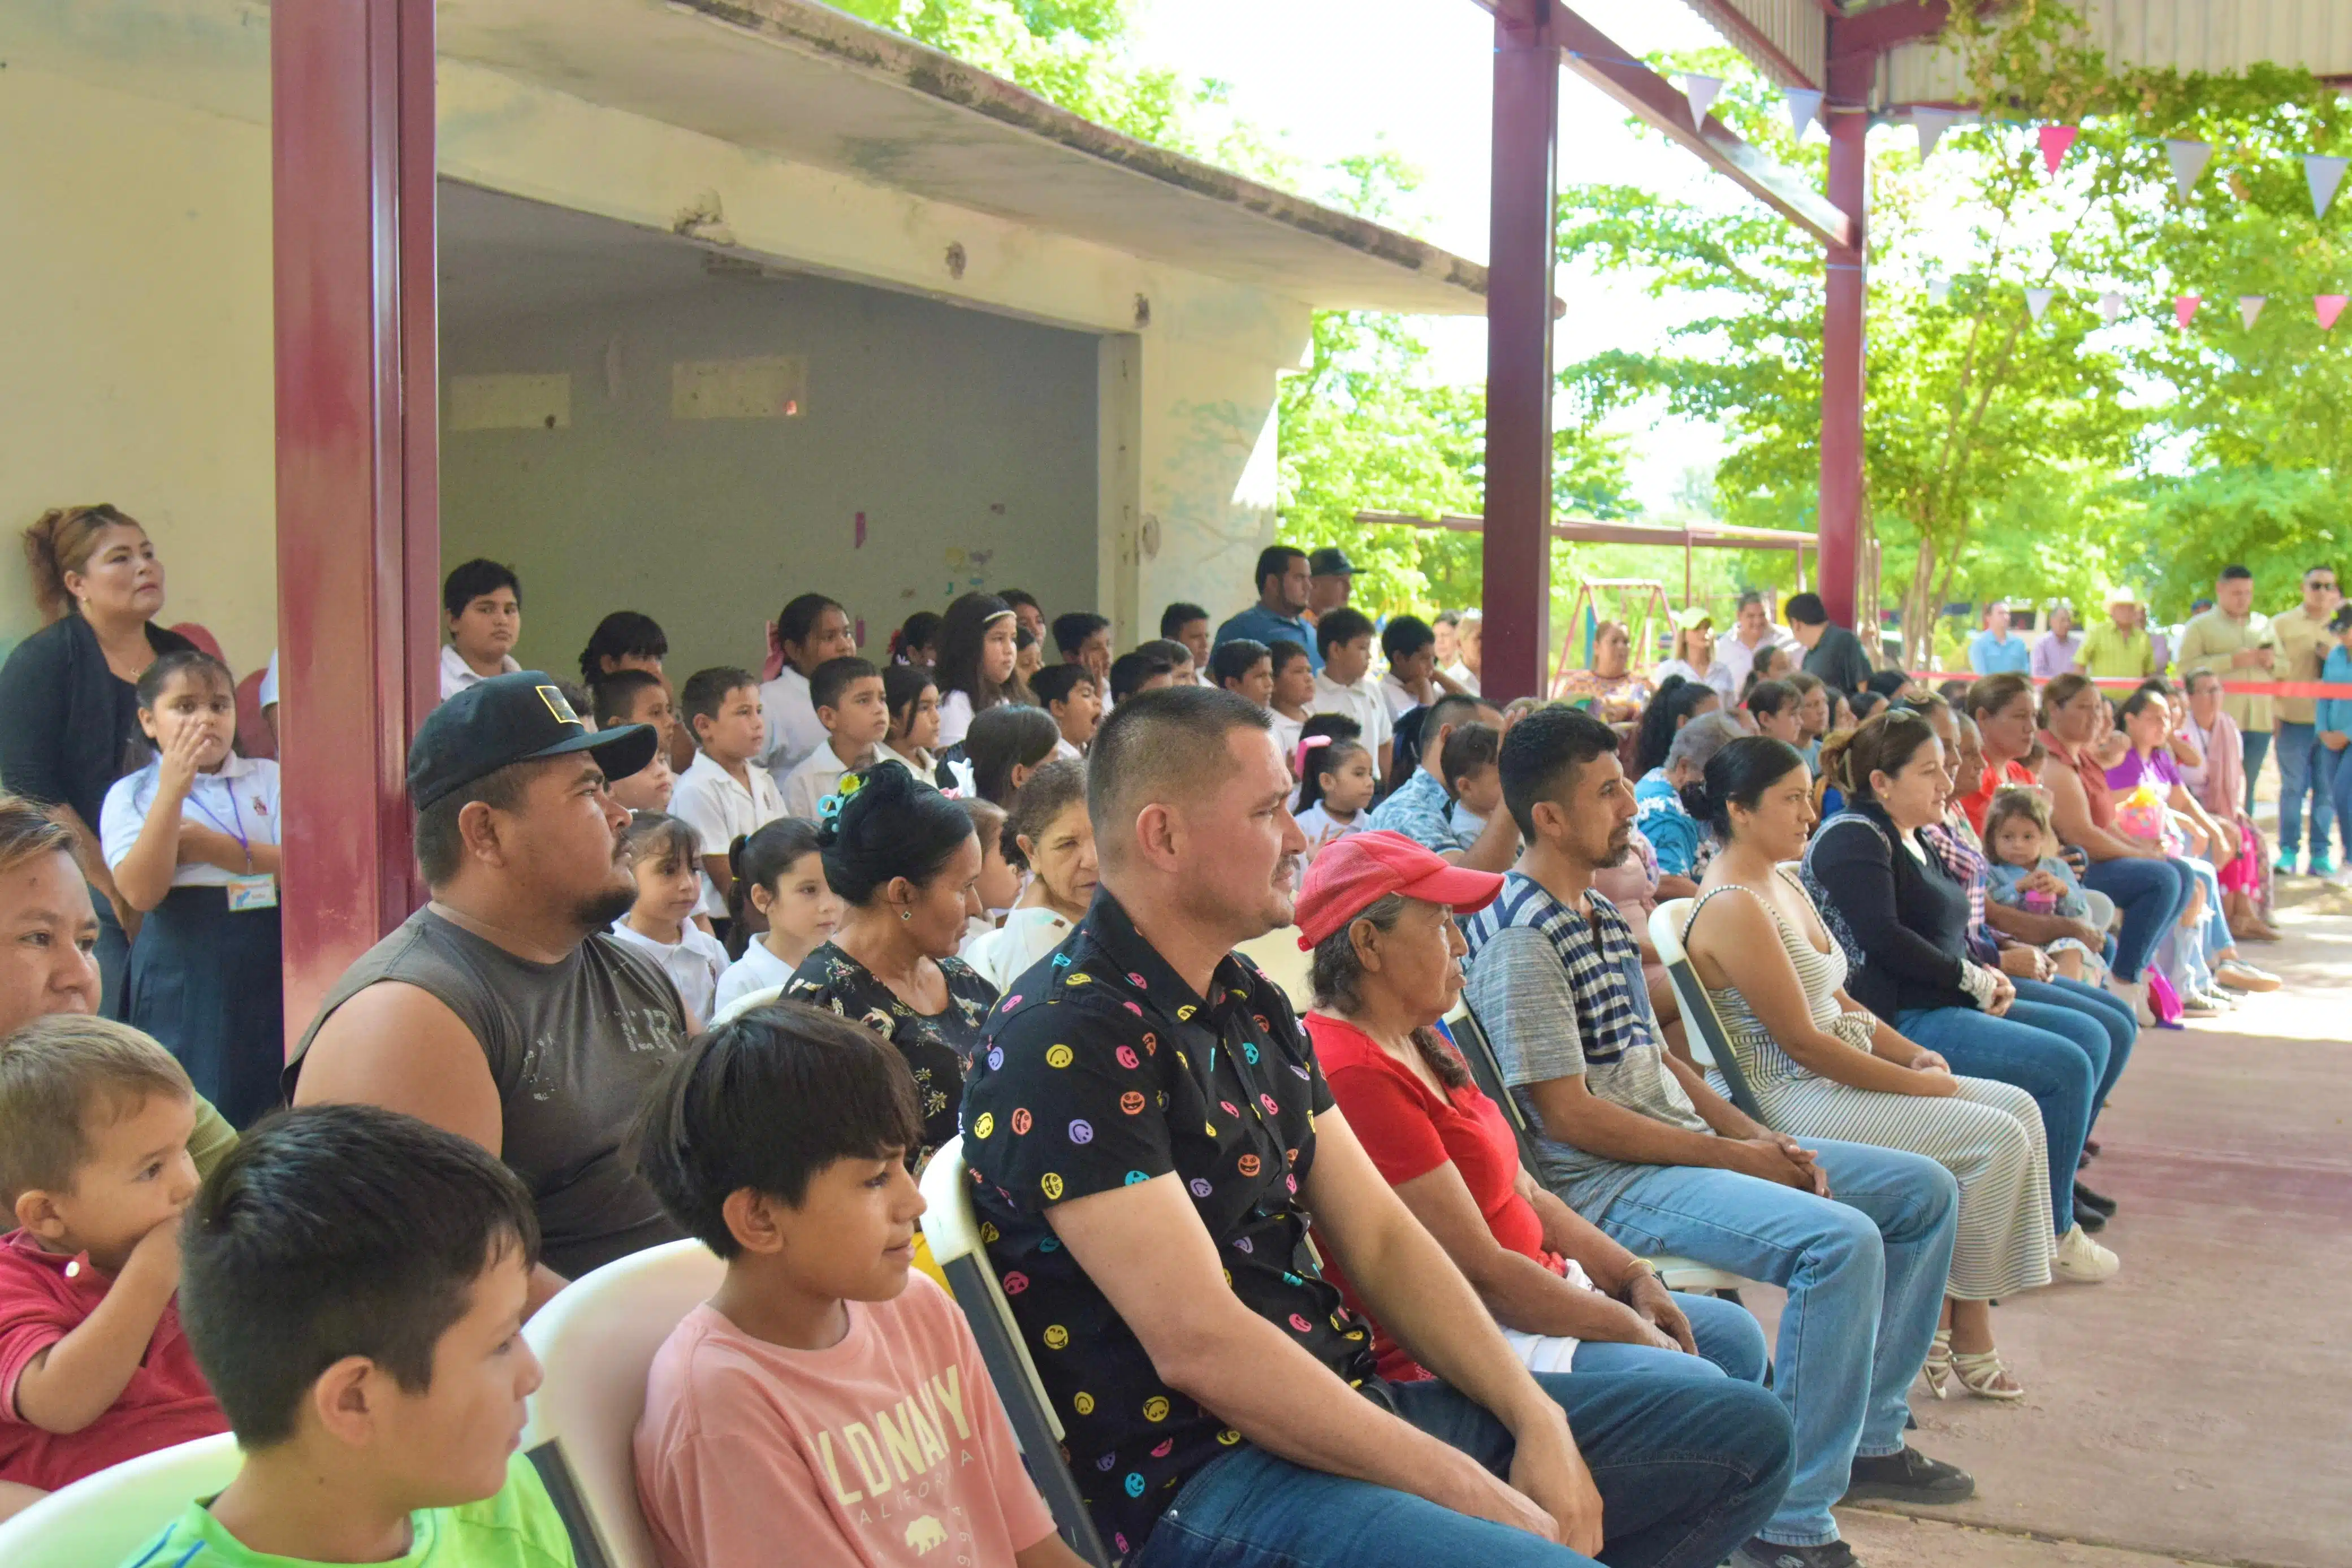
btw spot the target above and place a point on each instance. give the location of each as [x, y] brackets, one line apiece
[511, 718]
[1329, 561]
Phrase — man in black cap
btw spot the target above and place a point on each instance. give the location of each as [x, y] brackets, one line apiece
[1330, 579]
[504, 1010]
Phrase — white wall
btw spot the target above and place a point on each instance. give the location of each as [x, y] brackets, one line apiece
[967, 440]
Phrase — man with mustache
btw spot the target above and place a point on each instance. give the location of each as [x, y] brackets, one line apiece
[1148, 1132]
[504, 1010]
[1635, 1141]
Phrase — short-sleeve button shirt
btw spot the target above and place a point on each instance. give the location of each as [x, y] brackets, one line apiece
[1113, 1072]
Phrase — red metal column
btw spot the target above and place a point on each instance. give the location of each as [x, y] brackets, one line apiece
[1846, 296]
[358, 537]
[1516, 599]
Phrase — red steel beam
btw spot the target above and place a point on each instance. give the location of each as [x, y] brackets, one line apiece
[1515, 597]
[1846, 293]
[358, 548]
[1882, 27]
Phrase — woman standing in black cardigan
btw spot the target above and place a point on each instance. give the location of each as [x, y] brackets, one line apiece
[69, 694]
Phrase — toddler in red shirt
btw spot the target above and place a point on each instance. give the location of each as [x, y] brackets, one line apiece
[94, 1124]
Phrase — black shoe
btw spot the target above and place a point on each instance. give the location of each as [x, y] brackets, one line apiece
[2090, 1219]
[1758, 1552]
[2100, 1202]
[1908, 1477]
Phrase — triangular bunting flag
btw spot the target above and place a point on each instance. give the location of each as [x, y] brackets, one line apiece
[2322, 174]
[2111, 304]
[1932, 123]
[1701, 91]
[2329, 307]
[2055, 140]
[1939, 290]
[2188, 160]
[2250, 306]
[2037, 300]
[2184, 307]
[1804, 108]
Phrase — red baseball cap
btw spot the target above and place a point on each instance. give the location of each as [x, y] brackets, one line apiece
[1350, 875]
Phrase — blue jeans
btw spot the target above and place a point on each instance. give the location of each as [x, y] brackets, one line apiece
[2111, 1012]
[2150, 894]
[2255, 746]
[2052, 1052]
[1688, 1468]
[1865, 1270]
[2306, 768]
[1730, 1343]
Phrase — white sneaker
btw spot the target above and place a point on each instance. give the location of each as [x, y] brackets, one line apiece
[2136, 993]
[2193, 1006]
[2082, 1262]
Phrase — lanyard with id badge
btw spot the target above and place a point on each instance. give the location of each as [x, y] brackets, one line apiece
[255, 890]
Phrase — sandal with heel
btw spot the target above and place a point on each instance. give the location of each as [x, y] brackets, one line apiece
[1938, 1368]
[1984, 1375]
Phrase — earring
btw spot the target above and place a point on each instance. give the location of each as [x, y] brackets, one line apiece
[906, 914]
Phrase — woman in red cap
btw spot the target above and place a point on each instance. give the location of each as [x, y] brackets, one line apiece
[1377, 912]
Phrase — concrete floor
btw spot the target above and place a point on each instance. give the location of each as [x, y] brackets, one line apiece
[2194, 1408]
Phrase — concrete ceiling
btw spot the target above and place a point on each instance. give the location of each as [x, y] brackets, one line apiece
[503, 257]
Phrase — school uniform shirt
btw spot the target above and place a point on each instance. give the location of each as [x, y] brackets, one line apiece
[456, 675]
[917, 761]
[1113, 1072]
[693, 963]
[1061, 747]
[517, 1528]
[876, 1451]
[719, 810]
[819, 774]
[1286, 734]
[1321, 828]
[43, 1296]
[1465, 677]
[793, 729]
[1361, 701]
[756, 970]
[1401, 699]
[955, 717]
[241, 795]
[1002, 954]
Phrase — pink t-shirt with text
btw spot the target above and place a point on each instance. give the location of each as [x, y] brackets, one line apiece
[891, 1444]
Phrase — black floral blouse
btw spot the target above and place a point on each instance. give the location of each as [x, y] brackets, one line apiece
[937, 1048]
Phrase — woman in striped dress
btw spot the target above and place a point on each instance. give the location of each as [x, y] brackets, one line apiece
[1822, 1067]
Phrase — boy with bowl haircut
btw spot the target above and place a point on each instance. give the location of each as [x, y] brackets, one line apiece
[822, 1398]
[850, 705]
[94, 1369]
[355, 1282]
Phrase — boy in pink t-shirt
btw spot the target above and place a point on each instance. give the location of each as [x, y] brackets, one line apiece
[823, 1404]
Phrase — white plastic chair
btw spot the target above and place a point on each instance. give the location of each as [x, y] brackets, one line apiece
[1710, 1042]
[103, 1521]
[1277, 954]
[596, 1339]
[952, 1229]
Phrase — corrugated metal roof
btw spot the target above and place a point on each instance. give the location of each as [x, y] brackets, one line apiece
[2214, 35]
[1785, 39]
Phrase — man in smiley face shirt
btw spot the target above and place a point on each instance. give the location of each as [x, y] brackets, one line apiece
[1147, 1131]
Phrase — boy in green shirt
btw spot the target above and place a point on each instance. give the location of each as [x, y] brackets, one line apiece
[352, 1281]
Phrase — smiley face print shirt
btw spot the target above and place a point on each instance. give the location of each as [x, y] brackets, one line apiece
[1101, 1069]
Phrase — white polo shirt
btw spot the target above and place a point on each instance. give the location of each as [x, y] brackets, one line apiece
[240, 799]
[793, 729]
[818, 775]
[1362, 702]
[720, 810]
[456, 675]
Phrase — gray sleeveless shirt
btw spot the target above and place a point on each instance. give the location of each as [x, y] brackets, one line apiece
[575, 1047]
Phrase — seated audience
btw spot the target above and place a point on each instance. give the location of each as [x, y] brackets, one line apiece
[1378, 912]
[1610, 686]
[1068, 696]
[1681, 840]
[1245, 667]
[905, 861]
[192, 838]
[1144, 670]
[636, 696]
[917, 641]
[1083, 637]
[95, 1119]
[1028, 659]
[1413, 678]
[1422, 808]
[1445, 628]
[505, 1009]
[1466, 765]
[1007, 745]
[1821, 1066]
[1815, 714]
[1291, 695]
[1047, 836]
[852, 705]
[913, 699]
[1335, 792]
[1744, 649]
[999, 886]
[355, 1285]
[1178, 657]
[1695, 656]
[625, 639]
[1189, 625]
[810, 632]
[659, 852]
[2027, 873]
[1902, 917]
[975, 664]
[2214, 769]
[1468, 651]
[483, 601]
[1634, 1140]
[1773, 706]
[1344, 683]
[782, 907]
[1027, 611]
[726, 794]
[1218, 1405]
[781, 1139]
[1676, 702]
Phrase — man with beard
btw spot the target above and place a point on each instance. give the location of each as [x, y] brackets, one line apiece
[504, 1010]
[1635, 1141]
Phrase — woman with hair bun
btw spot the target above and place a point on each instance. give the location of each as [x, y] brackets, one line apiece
[70, 693]
[904, 863]
[1823, 1066]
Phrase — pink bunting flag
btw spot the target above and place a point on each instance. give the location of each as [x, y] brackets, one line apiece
[2184, 308]
[2056, 140]
[2329, 307]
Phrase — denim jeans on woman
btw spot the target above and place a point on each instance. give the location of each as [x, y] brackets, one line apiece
[2109, 1010]
[2151, 893]
[1688, 1468]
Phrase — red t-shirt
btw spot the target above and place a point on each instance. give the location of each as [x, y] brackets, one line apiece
[1409, 1132]
[1977, 803]
[43, 1296]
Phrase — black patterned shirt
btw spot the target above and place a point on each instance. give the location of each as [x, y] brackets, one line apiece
[1112, 1072]
[937, 1046]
